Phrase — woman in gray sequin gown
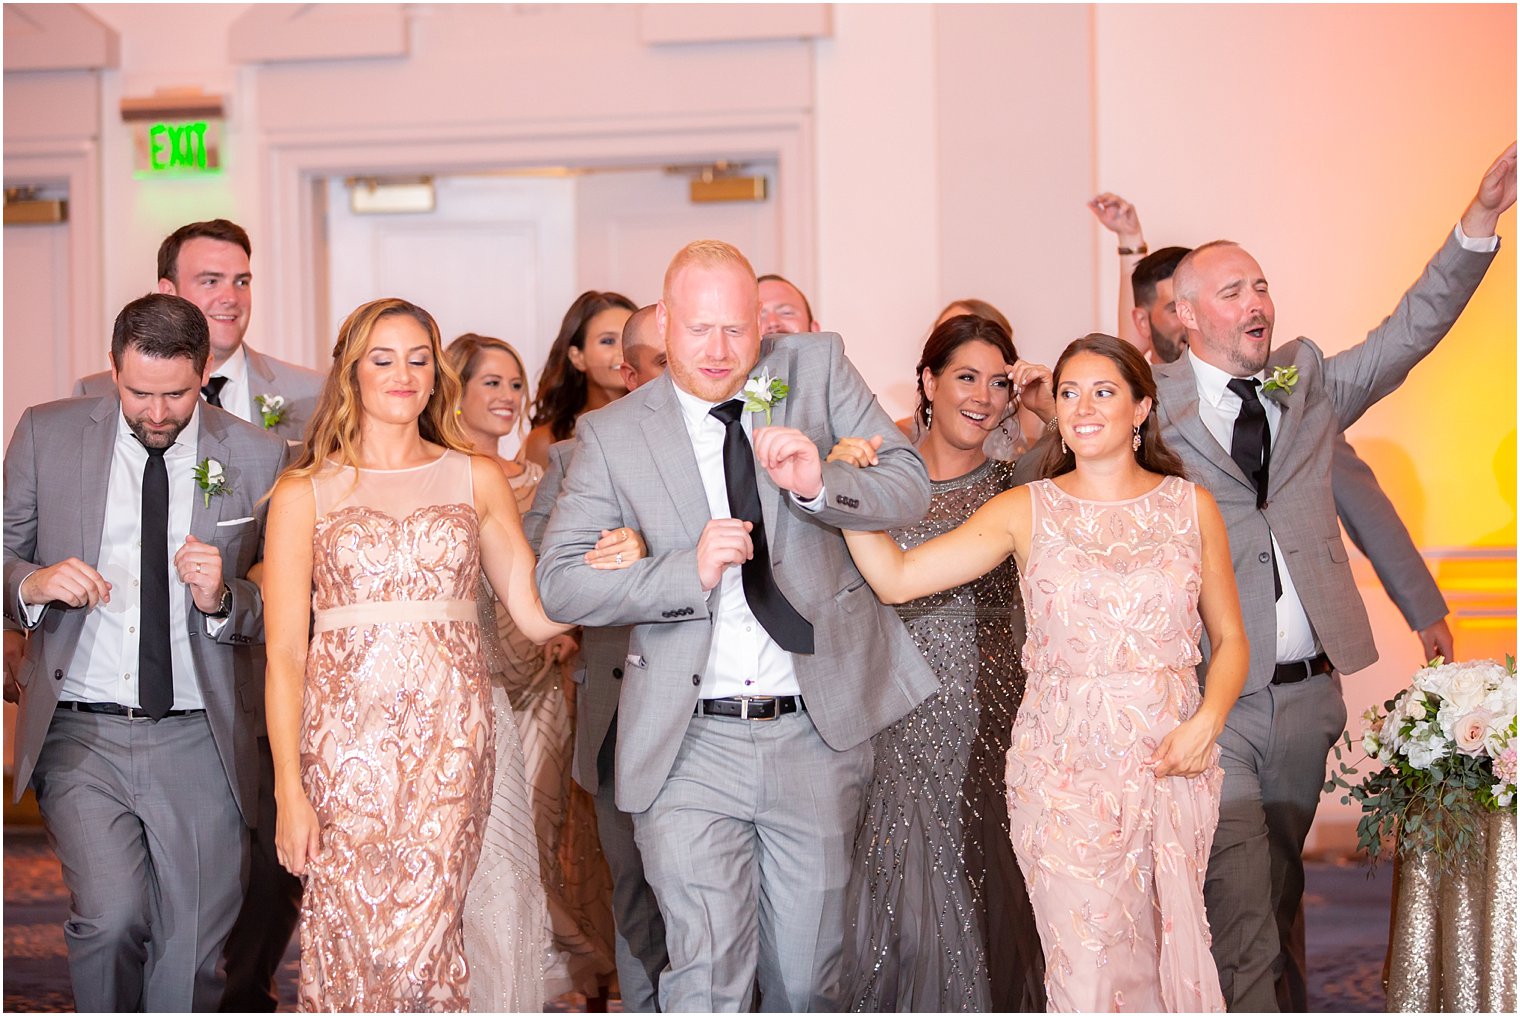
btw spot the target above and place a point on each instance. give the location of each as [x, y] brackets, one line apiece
[941, 920]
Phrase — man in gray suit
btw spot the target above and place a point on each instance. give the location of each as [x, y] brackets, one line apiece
[138, 686]
[207, 264]
[638, 928]
[760, 663]
[1369, 516]
[1266, 458]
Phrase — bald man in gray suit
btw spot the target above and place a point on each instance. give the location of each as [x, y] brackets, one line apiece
[1265, 455]
[758, 668]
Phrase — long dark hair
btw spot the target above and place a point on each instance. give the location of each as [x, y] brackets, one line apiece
[946, 339]
[561, 387]
[1153, 455]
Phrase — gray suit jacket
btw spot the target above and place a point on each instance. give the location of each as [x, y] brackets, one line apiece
[301, 387]
[1331, 394]
[599, 669]
[1374, 525]
[55, 507]
[634, 466]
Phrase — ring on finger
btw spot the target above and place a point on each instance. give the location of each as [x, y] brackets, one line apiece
[619, 558]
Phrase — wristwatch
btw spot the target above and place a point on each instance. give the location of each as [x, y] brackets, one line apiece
[224, 606]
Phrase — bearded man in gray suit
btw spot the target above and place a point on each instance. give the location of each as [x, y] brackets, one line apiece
[208, 264]
[1266, 458]
[127, 561]
[760, 663]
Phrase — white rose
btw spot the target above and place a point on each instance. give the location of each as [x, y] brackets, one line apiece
[1465, 685]
[1469, 732]
[1419, 753]
[274, 403]
[214, 471]
[1370, 744]
[1411, 706]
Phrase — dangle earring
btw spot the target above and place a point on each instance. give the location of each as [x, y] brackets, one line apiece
[1063, 444]
[928, 417]
[1135, 444]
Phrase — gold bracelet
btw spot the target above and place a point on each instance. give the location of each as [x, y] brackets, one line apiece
[1125, 252]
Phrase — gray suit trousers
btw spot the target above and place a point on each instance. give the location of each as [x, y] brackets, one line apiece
[1273, 754]
[748, 848]
[153, 850]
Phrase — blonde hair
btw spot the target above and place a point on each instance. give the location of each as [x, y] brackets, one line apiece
[707, 254]
[333, 435]
[464, 353]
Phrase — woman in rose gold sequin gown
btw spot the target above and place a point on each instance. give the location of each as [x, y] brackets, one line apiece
[382, 732]
[1113, 780]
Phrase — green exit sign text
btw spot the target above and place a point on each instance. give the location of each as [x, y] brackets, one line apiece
[177, 149]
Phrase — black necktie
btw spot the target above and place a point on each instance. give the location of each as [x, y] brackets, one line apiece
[791, 630]
[155, 665]
[212, 390]
[1251, 448]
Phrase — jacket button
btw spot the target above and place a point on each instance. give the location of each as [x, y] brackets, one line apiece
[617, 673]
[58, 675]
[1264, 557]
[696, 680]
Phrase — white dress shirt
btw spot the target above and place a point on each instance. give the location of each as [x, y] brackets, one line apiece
[235, 396]
[1218, 407]
[104, 668]
[744, 659]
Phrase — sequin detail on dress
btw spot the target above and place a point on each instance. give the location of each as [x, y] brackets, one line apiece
[941, 920]
[1115, 857]
[397, 742]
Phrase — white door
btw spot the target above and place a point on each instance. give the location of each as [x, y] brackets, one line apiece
[505, 255]
[495, 257]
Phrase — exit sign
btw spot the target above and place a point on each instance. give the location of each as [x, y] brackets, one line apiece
[185, 148]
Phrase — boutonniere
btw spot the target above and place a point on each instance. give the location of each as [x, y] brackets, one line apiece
[762, 393]
[272, 407]
[1282, 380]
[211, 477]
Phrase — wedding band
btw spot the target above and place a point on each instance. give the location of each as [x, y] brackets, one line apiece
[619, 558]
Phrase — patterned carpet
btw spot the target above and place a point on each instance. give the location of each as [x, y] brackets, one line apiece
[1347, 935]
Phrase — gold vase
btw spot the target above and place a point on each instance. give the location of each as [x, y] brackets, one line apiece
[1451, 940]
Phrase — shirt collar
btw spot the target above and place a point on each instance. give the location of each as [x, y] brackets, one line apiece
[695, 410]
[1213, 383]
[184, 445]
[234, 368]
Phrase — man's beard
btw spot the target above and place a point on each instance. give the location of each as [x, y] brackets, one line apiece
[1167, 349]
[694, 382]
[1249, 362]
[160, 439]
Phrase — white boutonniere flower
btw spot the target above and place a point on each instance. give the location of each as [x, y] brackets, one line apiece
[762, 393]
[1282, 380]
[211, 477]
[272, 407]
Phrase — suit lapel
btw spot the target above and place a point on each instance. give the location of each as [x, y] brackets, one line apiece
[211, 443]
[1178, 392]
[665, 433]
[771, 496]
[99, 440]
[260, 380]
[1292, 413]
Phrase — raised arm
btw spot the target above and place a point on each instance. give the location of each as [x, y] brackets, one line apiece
[1368, 371]
[975, 547]
[1186, 750]
[504, 553]
[286, 580]
[1121, 218]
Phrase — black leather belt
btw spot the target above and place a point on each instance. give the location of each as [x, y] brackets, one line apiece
[1301, 670]
[751, 707]
[113, 709]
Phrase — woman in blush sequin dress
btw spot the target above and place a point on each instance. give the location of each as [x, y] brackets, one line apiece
[381, 723]
[940, 918]
[1113, 781]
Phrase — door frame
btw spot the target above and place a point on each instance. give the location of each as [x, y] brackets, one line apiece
[75, 164]
[296, 164]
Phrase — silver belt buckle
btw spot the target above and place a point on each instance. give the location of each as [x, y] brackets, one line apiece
[745, 700]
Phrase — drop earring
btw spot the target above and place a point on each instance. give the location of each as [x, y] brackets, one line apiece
[928, 417]
[1063, 445]
[1135, 444]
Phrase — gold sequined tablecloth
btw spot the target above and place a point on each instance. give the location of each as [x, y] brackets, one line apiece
[1451, 941]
